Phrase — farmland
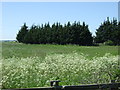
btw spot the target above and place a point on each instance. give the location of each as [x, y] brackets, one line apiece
[26, 65]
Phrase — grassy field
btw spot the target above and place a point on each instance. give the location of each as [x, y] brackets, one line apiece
[25, 66]
[10, 49]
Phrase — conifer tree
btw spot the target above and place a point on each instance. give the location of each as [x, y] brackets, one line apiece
[108, 31]
[56, 34]
[21, 34]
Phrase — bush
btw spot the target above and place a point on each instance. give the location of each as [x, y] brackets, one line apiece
[109, 42]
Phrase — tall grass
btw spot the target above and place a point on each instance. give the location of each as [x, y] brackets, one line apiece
[10, 49]
[72, 69]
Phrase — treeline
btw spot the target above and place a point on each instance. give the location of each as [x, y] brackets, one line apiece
[108, 32]
[56, 34]
[75, 33]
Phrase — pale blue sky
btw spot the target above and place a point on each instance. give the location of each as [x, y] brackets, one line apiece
[14, 14]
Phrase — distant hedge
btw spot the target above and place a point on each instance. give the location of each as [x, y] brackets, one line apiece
[56, 34]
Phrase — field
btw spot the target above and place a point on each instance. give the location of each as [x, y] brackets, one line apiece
[25, 65]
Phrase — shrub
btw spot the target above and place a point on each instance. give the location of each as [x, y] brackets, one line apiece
[109, 42]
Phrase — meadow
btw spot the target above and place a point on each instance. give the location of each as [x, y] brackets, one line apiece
[25, 65]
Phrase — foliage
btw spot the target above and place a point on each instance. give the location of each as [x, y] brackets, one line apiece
[26, 65]
[71, 69]
[57, 34]
[109, 42]
[74, 33]
[108, 31]
[22, 33]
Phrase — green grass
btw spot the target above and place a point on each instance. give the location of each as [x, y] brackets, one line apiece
[10, 49]
[26, 66]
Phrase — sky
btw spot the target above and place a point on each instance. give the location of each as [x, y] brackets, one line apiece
[15, 14]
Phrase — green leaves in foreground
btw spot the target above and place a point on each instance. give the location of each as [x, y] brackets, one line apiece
[71, 69]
